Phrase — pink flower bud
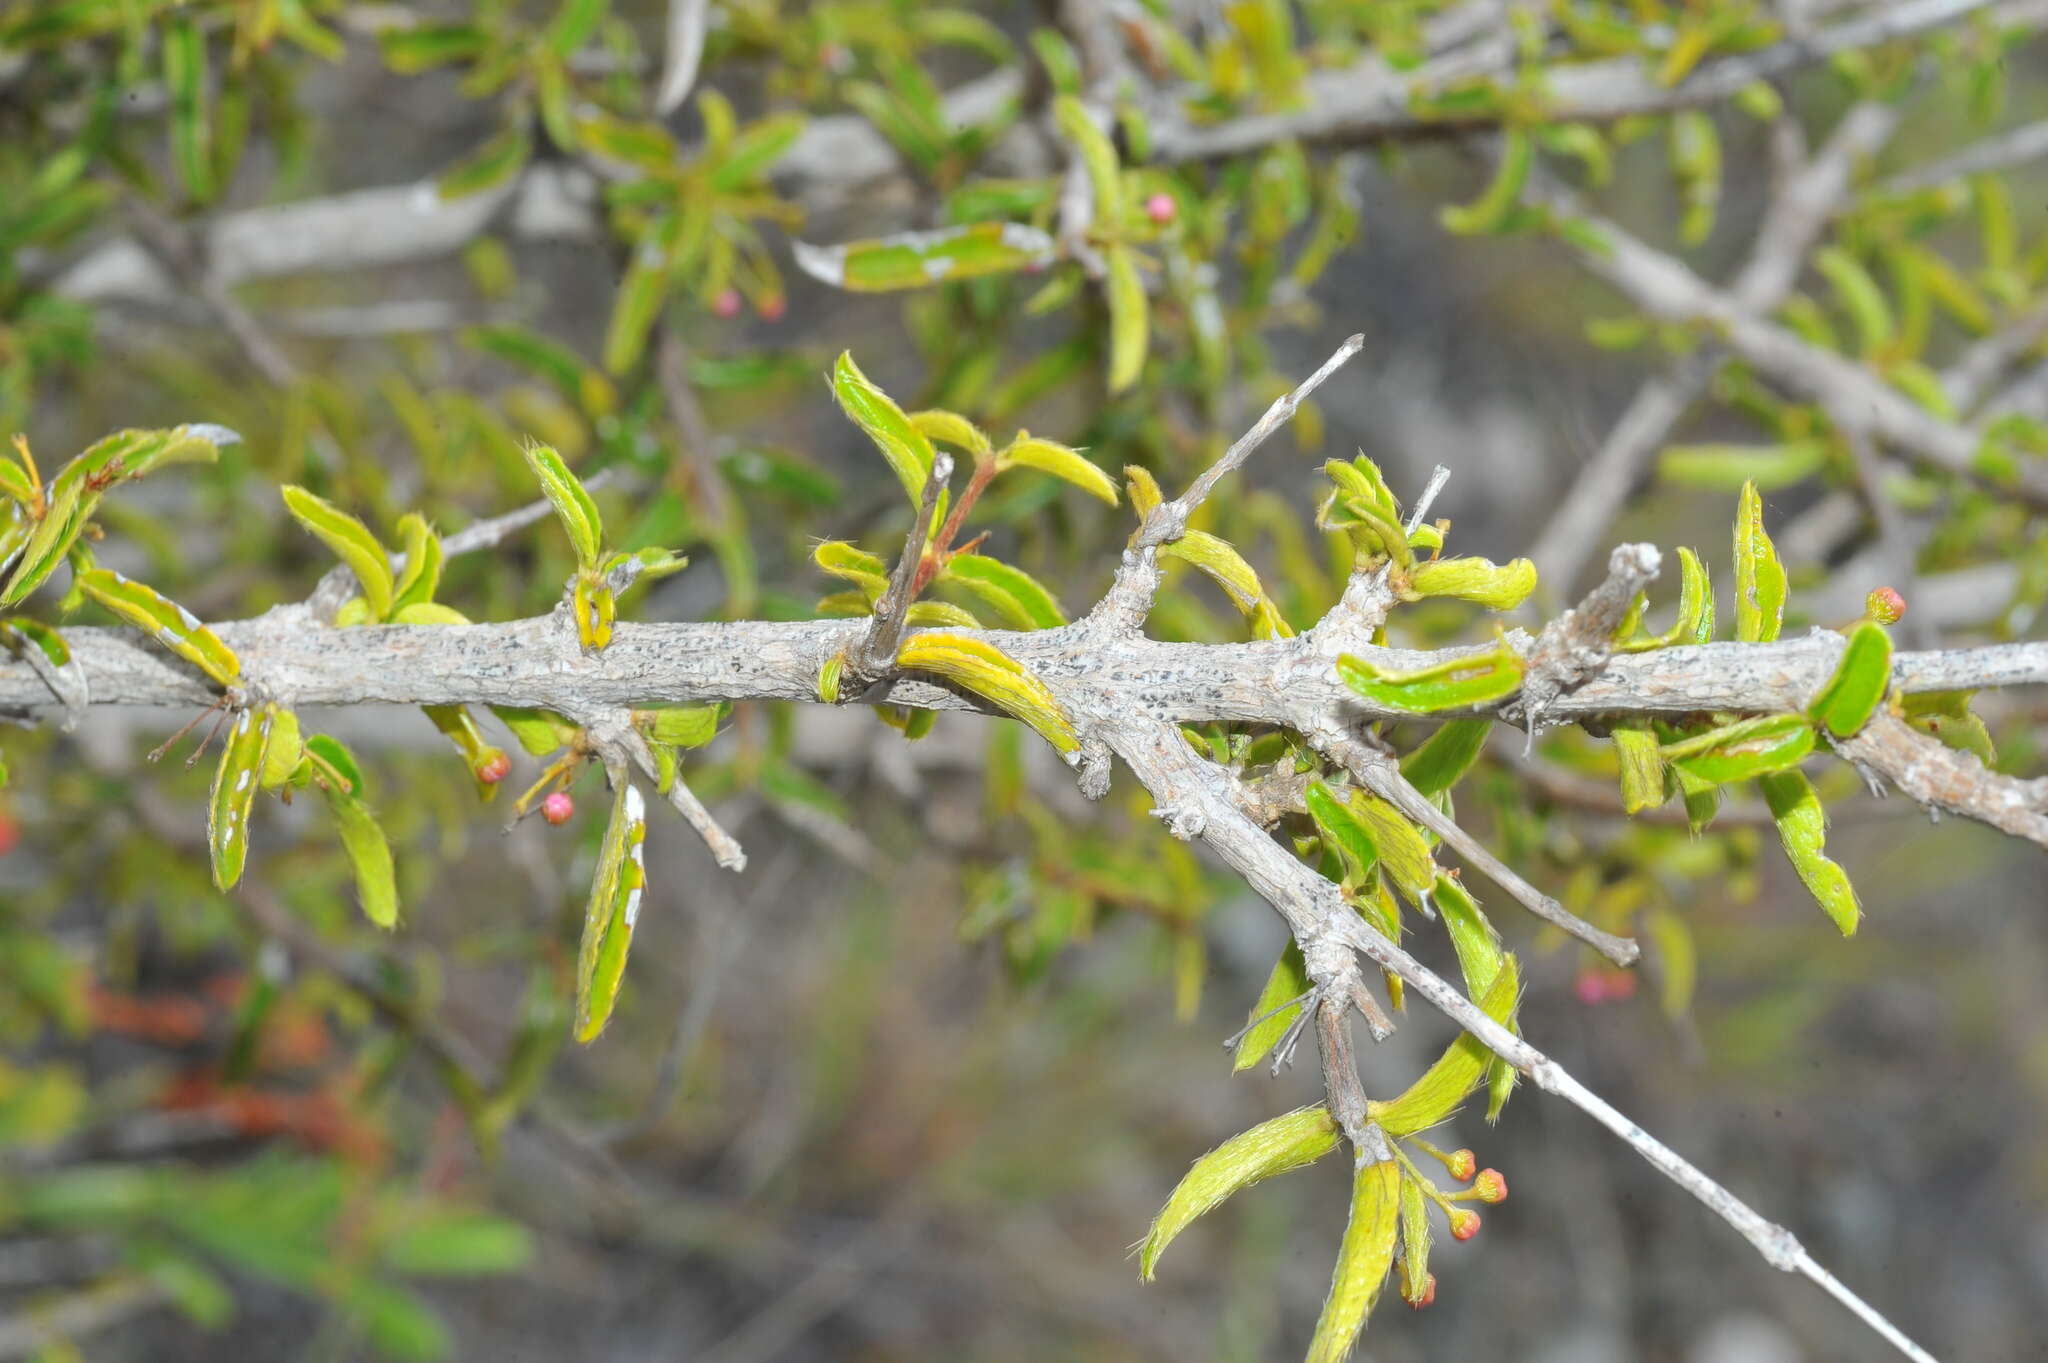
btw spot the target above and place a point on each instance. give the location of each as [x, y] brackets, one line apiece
[727, 304]
[1428, 1293]
[493, 766]
[558, 807]
[772, 307]
[1885, 606]
[1461, 1164]
[1490, 1186]
[1464, 1224]
[1161, 208]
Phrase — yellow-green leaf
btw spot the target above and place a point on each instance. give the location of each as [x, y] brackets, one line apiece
[1017, 598]
[683, 726]
[857, 566]
[1759, 577]
[571, 502]
[1061, 462]
[540, 732]
[906, 448]
[1853, 693]
[1446, 755]
[1289, 1141]
[1098, 156]
[351, 542]
[1802, 828]
[1271, 1016]
[369, 856]
[1447, 1083]
[420, 578]
[1642, 767]
[1415, 1237]
[1491, 210]
[1750, 748]
[234, 789]
[995, 677]
[1475, 679]
[286, 750]
[501, 157]
[1219, 560]
[614, 908]
[1496, 586]
[915, 260]
[1363, 1259]
[163, 620]
[955, 430]
[185, 78]
[1129, 318]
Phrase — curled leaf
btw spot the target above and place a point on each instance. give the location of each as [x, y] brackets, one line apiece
[995, 677]
[234, 789]
[1860, 681]
[1475, 679]
[913, 260]
[571, 502]
[1642, 767]
[1759, 577]
[1802, 828]
[1017, 598]
[1060, 461]
[163, 620]
[613, 910]
[369, 856]
[351, 542]
[1289, 1141]
[907, 449]
[1496, 586]
[1738, 752]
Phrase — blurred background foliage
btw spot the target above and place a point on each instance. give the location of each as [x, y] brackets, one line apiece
[912, 1086]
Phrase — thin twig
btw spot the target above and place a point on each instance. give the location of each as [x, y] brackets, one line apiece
[875, 654]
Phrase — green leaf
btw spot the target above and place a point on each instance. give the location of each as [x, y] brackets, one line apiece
[1292, 1140]
[335, 764]
[916, 260]
[572, 504]
[954, 430]
[540, 732]
[1860, 296]
[906, 448]
[234, 788]
[1447, 1083]
[1289, 980]
[1366, 829]
[420, 578]
[1097, 154]
[854, 565]
[1473, 937]
[614, 908]
[446, 1242]
[1493, 209]
[1859, 684]
[185, 79]
[282, 757]
[421, 47]
[1802, 828]
[670, 239]
[170, 624]
[1475, 679]
[1364, 1257]
[1946, 715]
[1496, 586]
[369, 855]
[1738, 752]
[351, 542]
[1759, 577]
[995, 677]
[683, 726]
[1129, 318]
[1446, 755]
[1016, 596]
[1061, 462]
[500, 158]
[1770, 467]
[20, 630]
[1642, 767]
[1415, 1236]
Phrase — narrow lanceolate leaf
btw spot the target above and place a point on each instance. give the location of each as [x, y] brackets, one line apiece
[1759, 577]
[1447, 1083]
[1097, 154]
[1362, 1261]
[1802, 827]
[1061, 462]
[1852, 695]
[495, 162]
[1129, 318]
[1018, 599]
[369, 856]
[421, 576]
[1477, 679]
[351, 542]
[1222, 564]
[1271, 1016]
[234, 789]
[954, 430]
[914, 260]
[287, 750]
[1496, 586]
[1446, 755]
[185, 80]
[572, 504]
[940, 615]
[1492, 209]
[1472, 936]
[1738, 752]
[1289, 1141]
[613, 910]
[994, 676]
[1415, 1237]
[1642, 767]
[163, 620]
[1695, 623]
[1343, 831]
[907, 449]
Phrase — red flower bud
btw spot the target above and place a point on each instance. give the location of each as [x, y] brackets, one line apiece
[727, 304]
[558, 807]
[1464, 1224]
[1490, 1186]
[1161, 208]
[1885, 606]
[493, 767]
[10, 834]
[1461, 1164]
[772, 307]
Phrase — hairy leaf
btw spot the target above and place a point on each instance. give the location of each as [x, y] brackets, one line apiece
[614, 908]
[369, 856]
[1288, 980]
[1496, 586]
[906, 448]
[1290, 1141]
[1737, 752]
[1759, 577]
[1129, 318]
[1364, 1257]
[234, 789]
[1060, 461]
[995, 677]
[351, 542]
[1446, 755]
[572, 503]
[1017, 597]
[163, 620]
[1448, 1082]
